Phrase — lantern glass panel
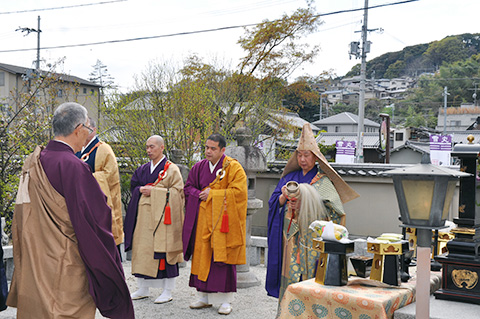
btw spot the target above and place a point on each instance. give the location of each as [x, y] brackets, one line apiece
[448, 198]
[419, 196]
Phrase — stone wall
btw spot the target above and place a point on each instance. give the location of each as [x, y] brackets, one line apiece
[373, 213]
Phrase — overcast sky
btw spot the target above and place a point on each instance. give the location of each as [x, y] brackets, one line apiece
[403, 25]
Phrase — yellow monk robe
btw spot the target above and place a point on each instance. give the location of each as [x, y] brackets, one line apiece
[107, 176]
[151, 235]
[230, 247]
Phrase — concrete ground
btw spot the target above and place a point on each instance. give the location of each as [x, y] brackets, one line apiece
[252, 303]
[249, 303]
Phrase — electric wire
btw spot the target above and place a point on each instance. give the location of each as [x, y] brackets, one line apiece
[63, 7]
[192, 32]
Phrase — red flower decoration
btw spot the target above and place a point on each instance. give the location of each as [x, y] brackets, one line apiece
[340, 297]
[365, 303]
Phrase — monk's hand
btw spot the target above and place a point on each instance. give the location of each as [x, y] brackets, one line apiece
[294, 204]
[204, 194]
[283, 197]
[146, 190]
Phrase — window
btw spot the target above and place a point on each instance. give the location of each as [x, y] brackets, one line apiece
[2, 78]
[455, 123]
[398, 136]
[60, 93]
[337, 129]
[84, 90]
[92, 92]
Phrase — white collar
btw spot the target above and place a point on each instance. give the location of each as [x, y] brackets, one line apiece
[153, 167]
[212, 166]
[88, 144]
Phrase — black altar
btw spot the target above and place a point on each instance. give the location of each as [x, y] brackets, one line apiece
[461, 265]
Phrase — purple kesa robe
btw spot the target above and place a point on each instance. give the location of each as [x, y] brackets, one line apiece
[142, 177]
[276, 215]
[222, 277]
[92, 222]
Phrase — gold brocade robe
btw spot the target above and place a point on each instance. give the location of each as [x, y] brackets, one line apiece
[151, 235]
[107, 176]
[229, 248]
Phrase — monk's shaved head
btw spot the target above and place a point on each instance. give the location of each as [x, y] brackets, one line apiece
[157, 139]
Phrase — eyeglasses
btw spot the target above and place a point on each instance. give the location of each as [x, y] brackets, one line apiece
[90, 130]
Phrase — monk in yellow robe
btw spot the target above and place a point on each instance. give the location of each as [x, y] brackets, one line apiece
[214, 229]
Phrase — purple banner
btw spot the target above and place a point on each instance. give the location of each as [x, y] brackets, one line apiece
[345, 147]
[440, 142]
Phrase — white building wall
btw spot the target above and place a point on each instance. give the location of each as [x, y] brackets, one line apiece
[456, 122]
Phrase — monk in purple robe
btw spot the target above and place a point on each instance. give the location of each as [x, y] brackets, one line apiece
[283, 244]
[66, 261]
[154, 221]
[214, 228]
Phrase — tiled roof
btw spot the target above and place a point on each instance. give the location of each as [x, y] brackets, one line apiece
[461, 136]
[294, 119]
[364, 169]
[370, 139]
[22, 70]
[353, 170]
[344, 118]
[421, 147]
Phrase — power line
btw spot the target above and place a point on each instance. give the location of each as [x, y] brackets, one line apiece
[64, 7]
[132, 39]
[192, 32]
[370, 7]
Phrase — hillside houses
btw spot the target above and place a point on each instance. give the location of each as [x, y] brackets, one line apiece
[347, 90]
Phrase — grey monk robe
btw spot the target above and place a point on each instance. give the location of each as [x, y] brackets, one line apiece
[66, 261]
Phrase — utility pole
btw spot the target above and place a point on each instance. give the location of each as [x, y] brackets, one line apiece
[445, 94]
[29, 30]
[474, 95]
[361, 102]
[38, 45]
[321, 105]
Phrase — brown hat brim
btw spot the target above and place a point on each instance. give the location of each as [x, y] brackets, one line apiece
[308, 142]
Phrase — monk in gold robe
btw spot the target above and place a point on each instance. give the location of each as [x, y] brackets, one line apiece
[214, 229]
[103, 164]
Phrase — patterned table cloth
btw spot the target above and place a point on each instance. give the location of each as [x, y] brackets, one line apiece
[310, 300]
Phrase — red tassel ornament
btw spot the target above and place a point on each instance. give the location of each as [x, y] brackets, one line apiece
[162, 264]
[168, 215]
[224, 228]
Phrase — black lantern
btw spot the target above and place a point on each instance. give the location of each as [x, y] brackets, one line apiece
[424, 194]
